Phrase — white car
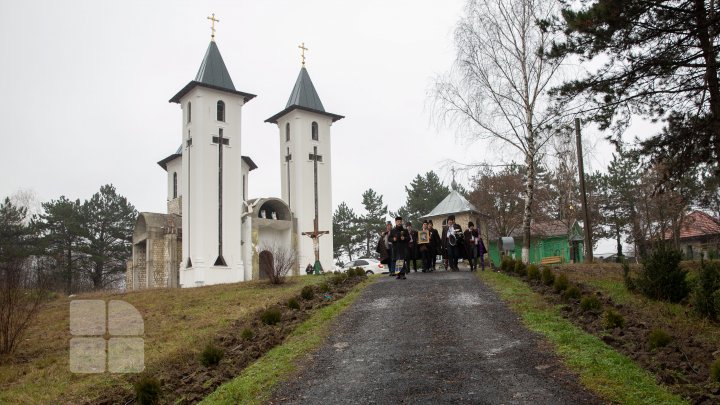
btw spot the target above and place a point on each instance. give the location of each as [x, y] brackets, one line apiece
[371, 266]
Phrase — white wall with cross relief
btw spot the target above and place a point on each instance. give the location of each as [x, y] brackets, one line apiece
[300, 195]
[200, 188]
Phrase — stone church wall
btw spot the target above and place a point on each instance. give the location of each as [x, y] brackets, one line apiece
[174, 206]
[140, 268]
[158, 266]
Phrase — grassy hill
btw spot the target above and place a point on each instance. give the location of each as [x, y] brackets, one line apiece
[176, 320]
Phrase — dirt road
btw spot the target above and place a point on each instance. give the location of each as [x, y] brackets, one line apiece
[433, 338]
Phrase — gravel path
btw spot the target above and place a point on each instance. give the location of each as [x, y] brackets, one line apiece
[433, 338]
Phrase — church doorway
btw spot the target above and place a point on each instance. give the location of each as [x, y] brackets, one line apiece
[266, 264]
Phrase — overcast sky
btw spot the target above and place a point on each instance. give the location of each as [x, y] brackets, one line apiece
[85, 87]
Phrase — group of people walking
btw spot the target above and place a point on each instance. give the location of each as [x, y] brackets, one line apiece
[401, 247]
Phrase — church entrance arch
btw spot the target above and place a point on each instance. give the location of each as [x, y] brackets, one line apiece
[266, 264]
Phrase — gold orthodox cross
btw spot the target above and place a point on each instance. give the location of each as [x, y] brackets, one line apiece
[212, 27]
[303, 49]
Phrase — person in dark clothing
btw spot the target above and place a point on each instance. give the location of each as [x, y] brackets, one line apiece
[435, 245]
[384, 248]
[452, 236]
[424, 247]
[412, 248]
[399, 239]
[472, 237]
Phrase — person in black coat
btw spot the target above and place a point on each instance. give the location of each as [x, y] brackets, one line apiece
[435, 245]
[452, 237]
[413, 252]
[399, 238]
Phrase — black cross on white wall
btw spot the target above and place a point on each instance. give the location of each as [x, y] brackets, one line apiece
[220, 141]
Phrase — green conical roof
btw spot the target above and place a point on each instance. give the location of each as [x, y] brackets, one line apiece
[304, 94]
[213, 71]
[304, 97]
[212, 74]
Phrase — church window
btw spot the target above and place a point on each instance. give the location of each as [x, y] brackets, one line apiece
[314, 131]
[221, 111]
[175, 185]
[287, 132]
[189, 113]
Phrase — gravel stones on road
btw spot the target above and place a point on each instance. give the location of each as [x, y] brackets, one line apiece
[433, 338]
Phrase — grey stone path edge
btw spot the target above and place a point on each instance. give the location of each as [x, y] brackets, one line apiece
[431, 339]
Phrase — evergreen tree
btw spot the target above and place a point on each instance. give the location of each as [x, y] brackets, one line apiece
[109, 221]
[661, 62]
[373, 221]
[423, 194]
[20, 298]
[63, 236]
[347, 232]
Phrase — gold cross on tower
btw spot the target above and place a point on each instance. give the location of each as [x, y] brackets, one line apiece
[303, 49]
[212, 27]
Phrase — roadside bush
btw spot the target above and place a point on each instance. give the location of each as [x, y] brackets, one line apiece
[629, 282]
[323, 287]
[590, 303]
[271, 316]
[520, 268]
[547, 276]
[707, 289]
[247, 334]
[658, 338]
[360, 272]
[561, 283]
[661, 277]
[573, 292]
[715, 371]
[211, 355]
[147, 390]
[507, 264]
[338, 278]
[307, 293]
[293, 303]
[614, 320]
[533, 273]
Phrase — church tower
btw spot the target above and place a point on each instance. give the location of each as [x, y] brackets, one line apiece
[305, 163]
[212, 174]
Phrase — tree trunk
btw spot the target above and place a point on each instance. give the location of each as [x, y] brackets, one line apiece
[619, 244]
[711, 71]
[529, 194]
[68, 269]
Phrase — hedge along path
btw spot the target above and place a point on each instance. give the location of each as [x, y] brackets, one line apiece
[608, 373]
[254, 385]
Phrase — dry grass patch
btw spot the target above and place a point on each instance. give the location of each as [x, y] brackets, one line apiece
[175, 320]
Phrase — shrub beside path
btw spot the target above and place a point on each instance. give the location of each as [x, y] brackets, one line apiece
[433, 338]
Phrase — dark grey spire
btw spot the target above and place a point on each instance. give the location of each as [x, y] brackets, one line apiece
[304, 97]
[213, 71]
[304, 94]
[212, 74]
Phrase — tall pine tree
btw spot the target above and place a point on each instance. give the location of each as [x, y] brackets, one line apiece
[373, 220]
[109, 221]
[423, 194]
[347, 233]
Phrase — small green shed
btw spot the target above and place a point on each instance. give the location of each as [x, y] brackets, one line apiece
[548, 238]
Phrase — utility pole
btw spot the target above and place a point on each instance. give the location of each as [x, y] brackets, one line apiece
[588, 234]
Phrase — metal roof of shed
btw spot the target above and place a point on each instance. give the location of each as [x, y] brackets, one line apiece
[454, 203]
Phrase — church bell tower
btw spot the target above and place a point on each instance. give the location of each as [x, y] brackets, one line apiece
[305, 166]
[212, 202]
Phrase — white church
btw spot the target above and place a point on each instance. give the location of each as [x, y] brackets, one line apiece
[212, 232]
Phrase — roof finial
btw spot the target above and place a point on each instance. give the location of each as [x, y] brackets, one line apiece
[212, 27]
[302, 54]
[453, 185]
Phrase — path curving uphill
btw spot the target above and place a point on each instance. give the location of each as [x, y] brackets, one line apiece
[431, 339]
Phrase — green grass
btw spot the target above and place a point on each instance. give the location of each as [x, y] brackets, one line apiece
[606, 372]
[175, 319]
[255, 384]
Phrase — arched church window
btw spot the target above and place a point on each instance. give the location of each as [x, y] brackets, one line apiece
[287, 132]
[221, 111]
[175, 185]
[189, 116]
[314, 131]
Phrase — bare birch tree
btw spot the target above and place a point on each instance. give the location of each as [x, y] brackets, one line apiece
[497, 87]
